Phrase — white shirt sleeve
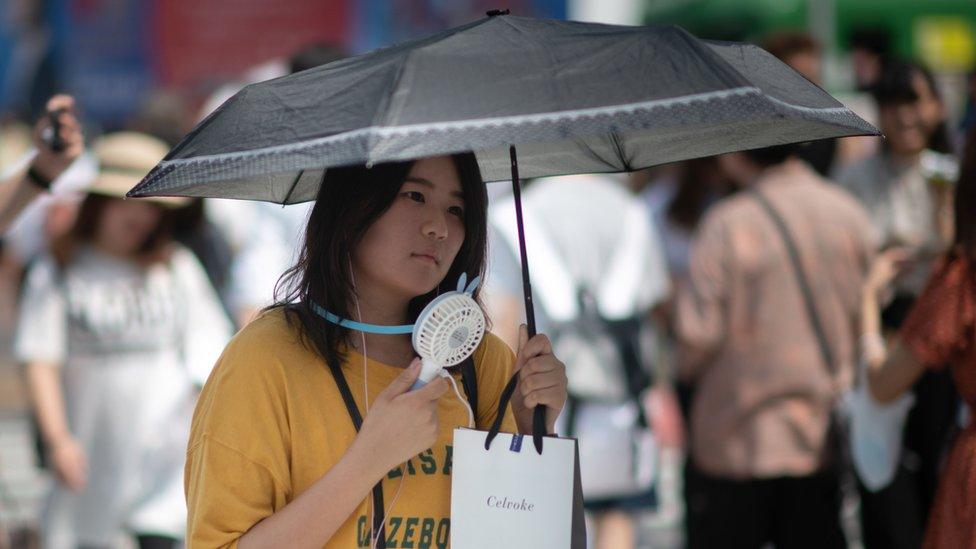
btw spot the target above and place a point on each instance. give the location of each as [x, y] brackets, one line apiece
[657, 274]
[42, 323]
[207, 328]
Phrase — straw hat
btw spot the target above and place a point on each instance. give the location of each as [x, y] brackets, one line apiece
[124, 158]
[15, 143]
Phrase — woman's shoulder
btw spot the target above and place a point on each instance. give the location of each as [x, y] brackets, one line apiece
[42, 271]
[940, 323]
[492, 349]
[254, 371]
[180, 256]
[271, 333]
[261, 349]
[953, 275]
[185, 263]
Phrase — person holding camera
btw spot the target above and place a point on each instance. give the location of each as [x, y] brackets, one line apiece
[58, 139]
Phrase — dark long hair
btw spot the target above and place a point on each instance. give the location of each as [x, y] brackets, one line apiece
[349, 201]
[695, 192]
[964, 202]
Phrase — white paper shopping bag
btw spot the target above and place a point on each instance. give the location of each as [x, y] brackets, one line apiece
[510, 496]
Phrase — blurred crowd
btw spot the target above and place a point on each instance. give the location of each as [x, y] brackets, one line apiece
[717, 309]
[784, 301]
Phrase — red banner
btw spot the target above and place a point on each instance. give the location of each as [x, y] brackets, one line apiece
[204, 42]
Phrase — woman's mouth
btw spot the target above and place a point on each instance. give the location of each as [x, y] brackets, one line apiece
[428, 257]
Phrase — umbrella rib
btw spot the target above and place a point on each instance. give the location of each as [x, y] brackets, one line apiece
[615, 139]
[381, 118]
[292, 188]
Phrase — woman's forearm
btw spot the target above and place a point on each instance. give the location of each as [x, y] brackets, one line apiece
[895, 375]
[15, 195]
[47, 398]
[870, 314]
[313, 518]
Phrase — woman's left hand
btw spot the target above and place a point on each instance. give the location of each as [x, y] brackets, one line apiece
[542, 381]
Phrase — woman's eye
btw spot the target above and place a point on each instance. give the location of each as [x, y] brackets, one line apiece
[416, 196]
[456, 210]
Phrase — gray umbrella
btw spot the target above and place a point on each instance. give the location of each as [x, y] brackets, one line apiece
[571, 97]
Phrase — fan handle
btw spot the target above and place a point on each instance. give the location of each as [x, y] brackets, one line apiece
[428, 371]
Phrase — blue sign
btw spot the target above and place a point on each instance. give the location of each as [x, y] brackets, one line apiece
[107, 56]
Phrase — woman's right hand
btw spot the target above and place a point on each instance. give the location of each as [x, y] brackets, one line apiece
[885, 269]
[70, 463]
[402, 423]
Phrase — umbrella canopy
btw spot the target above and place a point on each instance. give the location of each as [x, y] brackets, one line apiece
[572, 97]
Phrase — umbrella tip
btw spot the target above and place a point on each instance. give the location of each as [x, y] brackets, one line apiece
[494, 13]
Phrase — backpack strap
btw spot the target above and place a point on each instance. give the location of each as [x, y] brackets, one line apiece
[469, 380]
[558, 296]
[635, 378]
[622, 291]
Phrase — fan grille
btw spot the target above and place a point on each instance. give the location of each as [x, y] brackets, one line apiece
[449, 329]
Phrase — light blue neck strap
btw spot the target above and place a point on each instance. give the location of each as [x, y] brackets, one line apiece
[361, 326]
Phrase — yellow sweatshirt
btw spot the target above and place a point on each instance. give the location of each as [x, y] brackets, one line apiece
[270, 422]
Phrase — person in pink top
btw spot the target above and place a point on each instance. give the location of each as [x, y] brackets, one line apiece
[763, 466]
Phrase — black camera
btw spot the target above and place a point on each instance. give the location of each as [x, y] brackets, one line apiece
[51, 135]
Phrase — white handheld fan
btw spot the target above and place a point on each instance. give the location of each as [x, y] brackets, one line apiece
[448, 330]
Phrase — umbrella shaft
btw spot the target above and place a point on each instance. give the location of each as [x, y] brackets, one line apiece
[539, 414]
[526, 283]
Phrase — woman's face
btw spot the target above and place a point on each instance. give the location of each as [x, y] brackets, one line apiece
[909, 125]
[410, 248]
[125, 225]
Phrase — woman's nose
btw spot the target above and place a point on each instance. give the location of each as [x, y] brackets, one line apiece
[909, 113]
[435, 227]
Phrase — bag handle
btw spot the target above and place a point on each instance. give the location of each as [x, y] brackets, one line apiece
[500, 413]
[825, 352]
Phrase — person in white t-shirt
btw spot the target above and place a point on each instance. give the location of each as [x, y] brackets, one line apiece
[588, 235]
[118, 328]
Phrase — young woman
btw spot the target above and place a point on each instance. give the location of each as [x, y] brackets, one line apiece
[939, 332]
[274, 458]
[118, 329]
[907, 209]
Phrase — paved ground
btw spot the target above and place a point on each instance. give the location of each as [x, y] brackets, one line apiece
[663, 529]
[22, 484]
